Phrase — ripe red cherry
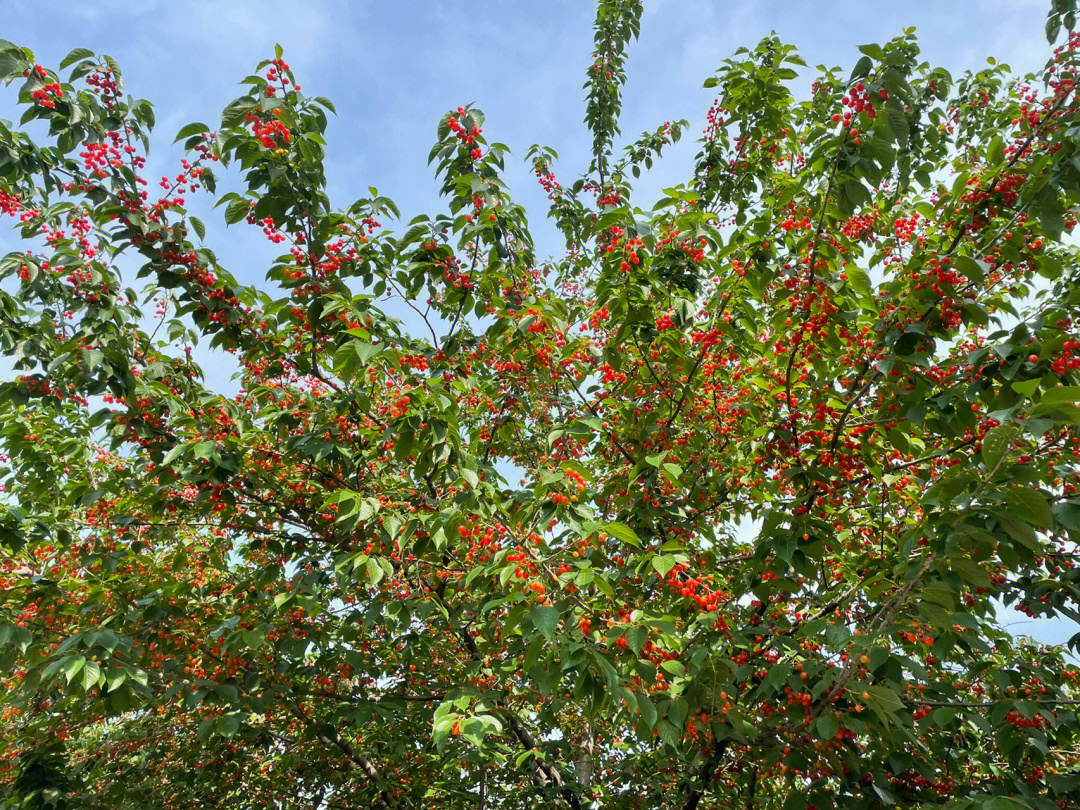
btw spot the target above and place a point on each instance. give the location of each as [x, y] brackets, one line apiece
[1033, 358]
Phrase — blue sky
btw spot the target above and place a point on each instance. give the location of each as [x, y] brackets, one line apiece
[392, 69]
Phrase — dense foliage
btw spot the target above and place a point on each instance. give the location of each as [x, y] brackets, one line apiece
[725, 506]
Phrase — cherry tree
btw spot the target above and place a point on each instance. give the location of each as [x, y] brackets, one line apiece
[726, 505]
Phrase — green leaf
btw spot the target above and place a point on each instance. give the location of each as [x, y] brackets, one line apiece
[115, 679]
[884, 701]
[677, 710]
[971, 269]
[996, 444]
[173, 454]
[873, 50]
[827, 724]
[1026, 388]
[672, 472]
[1067, 514]
[73, 666]
[367, 509]
[663, 563]
[1056, 397]
[375, 571]
[545, 618]
[228, 725]
[635, 638]
[859, 280]
[253, 638]
[365, 351]
[236, 211]
[90, 675]
[623, 533]
[886, 698]
[532, 655]
[76, 55]
[971, 571]
[23, 638]
[11, 64]
[196, 128]
[646, 709]
[92, 358]
[674, 667]
[668, 733]
[1031, 505]
[1017, 530]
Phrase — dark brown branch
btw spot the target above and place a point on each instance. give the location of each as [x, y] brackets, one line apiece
[751, 789]
[329, 736]
[701, 776]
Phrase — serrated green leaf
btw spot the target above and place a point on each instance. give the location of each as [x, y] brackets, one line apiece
[545, 618]
[90, 675]
[623, 533]
[996, 444]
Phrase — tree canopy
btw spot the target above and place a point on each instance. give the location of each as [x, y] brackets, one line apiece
[726, 505]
